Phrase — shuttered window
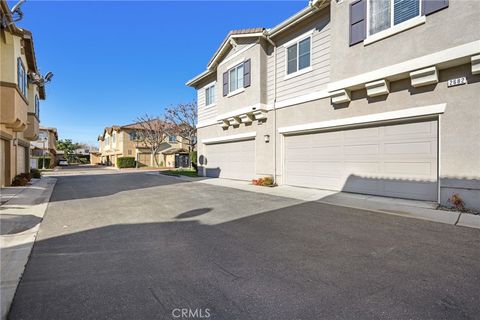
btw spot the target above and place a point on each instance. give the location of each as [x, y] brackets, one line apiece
[384, 14]
[405, 10]
[235, 78]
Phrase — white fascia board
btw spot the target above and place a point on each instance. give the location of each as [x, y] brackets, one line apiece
[191, 82]
[371, 118]
[249, 109]
[235, 137]
[462, 51]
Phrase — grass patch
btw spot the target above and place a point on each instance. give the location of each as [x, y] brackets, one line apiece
[181, 172]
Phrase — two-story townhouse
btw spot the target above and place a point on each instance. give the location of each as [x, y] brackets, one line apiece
[20, 95]
[123, 141]
[363, 96]
[44, 149]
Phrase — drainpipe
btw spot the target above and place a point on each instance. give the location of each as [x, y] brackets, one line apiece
[274, 107]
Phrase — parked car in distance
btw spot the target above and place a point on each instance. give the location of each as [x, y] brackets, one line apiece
[63, 163]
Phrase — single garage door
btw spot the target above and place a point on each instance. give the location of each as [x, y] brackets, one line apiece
[21, 159]
[392, 160]
[232, 160]
[3, 162]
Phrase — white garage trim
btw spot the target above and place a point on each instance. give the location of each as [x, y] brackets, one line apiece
[371, 118]
[235, 137]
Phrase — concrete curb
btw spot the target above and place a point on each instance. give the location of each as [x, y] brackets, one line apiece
[469, 220]
[16, 248]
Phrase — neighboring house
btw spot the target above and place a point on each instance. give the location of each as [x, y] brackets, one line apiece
[122, 141]
[20, 96]
[364, 96]
[45, 147]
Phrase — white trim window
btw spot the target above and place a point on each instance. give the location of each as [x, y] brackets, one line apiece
[235, 78]
[298, 55]
[385, 14]
[37, 107]
[210, 95]
[21, 77]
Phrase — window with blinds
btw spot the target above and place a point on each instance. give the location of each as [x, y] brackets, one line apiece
[384, 14]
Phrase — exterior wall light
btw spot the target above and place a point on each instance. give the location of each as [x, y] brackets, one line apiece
[267, 138]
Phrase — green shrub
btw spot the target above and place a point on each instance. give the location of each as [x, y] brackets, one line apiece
[36, 174]
[19, 181]
[126, 162]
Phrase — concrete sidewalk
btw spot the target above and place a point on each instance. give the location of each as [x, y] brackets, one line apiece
[407, 208]
[21, 212]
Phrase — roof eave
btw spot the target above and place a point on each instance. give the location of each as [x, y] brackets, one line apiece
[226, 43]
[200, 77]
[306, 12]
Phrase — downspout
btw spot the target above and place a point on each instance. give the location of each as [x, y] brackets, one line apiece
[274, 108]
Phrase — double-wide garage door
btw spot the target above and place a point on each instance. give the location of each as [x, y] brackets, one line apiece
[391, 160]
[231, 160]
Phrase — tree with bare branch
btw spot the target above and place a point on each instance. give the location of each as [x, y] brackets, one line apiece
[183, 118]
[151, 132]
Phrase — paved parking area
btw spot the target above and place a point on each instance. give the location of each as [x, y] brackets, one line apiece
[143, 246]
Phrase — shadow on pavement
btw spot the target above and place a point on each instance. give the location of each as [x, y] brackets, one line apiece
[12, 223]
[305, 261]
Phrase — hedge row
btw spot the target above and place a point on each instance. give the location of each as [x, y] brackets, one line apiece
[126, 162]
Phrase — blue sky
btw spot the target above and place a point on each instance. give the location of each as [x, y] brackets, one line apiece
[116, 60]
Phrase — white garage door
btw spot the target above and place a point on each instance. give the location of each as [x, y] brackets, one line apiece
[394, 160]
[2, 161]
[21, 159]
[232, 160]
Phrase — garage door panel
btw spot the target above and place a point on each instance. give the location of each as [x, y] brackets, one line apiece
[420, 147]
[418, 190]
[366, 168]
[361, 149]
[362, 185]
[395, 160]
[232, 160]
[359, 134]
[409, 169]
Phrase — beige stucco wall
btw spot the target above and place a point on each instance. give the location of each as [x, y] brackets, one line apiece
[253, 94]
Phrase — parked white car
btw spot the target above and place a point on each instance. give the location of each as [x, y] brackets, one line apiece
[63, 163]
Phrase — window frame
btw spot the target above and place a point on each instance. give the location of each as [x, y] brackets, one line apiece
[209, 87]
[174, 137]
[296, 41]
[22, 80]
[238, 89]
[392, 19]
[37, 106]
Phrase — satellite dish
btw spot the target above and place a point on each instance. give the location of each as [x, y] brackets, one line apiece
[48, 77]
[16, 10]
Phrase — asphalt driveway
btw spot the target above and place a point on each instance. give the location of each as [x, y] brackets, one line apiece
[145, 246]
